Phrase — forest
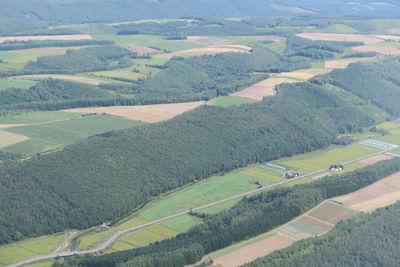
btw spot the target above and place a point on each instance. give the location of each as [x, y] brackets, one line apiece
[180, 79]
[71, 188]
[250, 217]
[347, 244]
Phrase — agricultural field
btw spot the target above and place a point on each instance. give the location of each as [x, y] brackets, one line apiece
[25, 249]
[46, 37]
[344, 63]
[379, 49]
[8, 83]
[338, 28]
[367, 39]
[147, 113]
[9, 139]
[44, 136]
[324, 158]
[379, 194]
[225, 101]
[212, 50]
[255, 250]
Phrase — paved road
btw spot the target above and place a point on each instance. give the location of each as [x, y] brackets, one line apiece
[117, 235]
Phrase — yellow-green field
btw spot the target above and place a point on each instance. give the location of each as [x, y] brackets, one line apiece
[323, 159]
[29, 248]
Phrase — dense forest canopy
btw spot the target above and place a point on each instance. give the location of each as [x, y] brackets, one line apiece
[71, 188]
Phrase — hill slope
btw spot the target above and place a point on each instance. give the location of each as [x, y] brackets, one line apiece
[104, 10]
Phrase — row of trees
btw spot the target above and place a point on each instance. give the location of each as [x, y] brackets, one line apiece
[250, 217]
[71, 188]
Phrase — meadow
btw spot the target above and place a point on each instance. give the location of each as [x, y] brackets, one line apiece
[8, 83]
[225, 101]
[44, 136]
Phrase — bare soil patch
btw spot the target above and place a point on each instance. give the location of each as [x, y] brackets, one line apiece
[389, 37]
[262, 89]
[397, 121]
[375, 159]
[331, 212]
[50, 50]
[394, 31]
[60, 77]
[143, 50]
[147, 113]
[270, 38]
[251, 252]
[216, 49]
[304, 74]
[376, 195]
[316, 36]
[344, 63]
[379, 49]
[8, 139]
[2, 126]
[46, 37]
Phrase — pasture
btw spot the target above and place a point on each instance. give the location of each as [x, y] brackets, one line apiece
[52, 135]
[367, 39]
[216, 49]
[45, 37]
[225, 101]
[147, 113]
[8, 83]
[71, 78]
[205, 192]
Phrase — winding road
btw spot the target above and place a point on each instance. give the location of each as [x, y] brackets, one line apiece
[117, 235]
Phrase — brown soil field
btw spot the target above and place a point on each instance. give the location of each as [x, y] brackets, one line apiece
[264, 88]
[147, 113]
[379, 49]
[46, 37]
[344, 63]
[270, 38]
[375, 159]
[143, 50]
[8, 139]
[216, 49]
[51, 50]
[206, 41]
[389, 37]
[60, 77]
[376, 195]
[331, 212]
[251, 252]
[304, 74]
[368, 39]
[397, 121]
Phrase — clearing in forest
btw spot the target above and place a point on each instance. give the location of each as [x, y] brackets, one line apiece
[147, 113]
[45, 37]
[262, 89]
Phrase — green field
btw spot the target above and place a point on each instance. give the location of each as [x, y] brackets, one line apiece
[225, 101]
[183, 223]
[7, 83]
[339, 28]
[38, 117]
[393, 138]
[277, 47]
[51, 135]
[324, 158]
[387, 44]
[26, 249]
[202, 193]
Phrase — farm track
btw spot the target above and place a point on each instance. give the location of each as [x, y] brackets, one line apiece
[117, 235]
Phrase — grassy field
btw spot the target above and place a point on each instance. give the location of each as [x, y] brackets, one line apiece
[393, 138]
[277, 47]
[29, 248]
[387, 44]
[225, 101]
[324, 158]
[182, 223]
[57, 134]
[38, 117]
[7, 83]
[338, 28]
[205, 192]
